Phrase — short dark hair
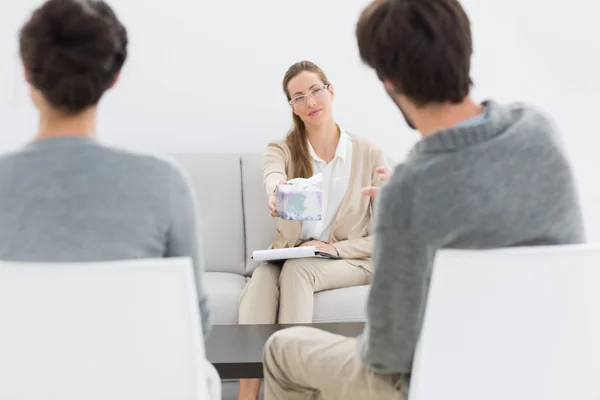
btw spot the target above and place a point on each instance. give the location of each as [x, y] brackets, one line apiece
[423, 47]
[72, 51]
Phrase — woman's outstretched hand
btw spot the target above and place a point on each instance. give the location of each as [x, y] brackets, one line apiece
[271, 203]
[384, 174]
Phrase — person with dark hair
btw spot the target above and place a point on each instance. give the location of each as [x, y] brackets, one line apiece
[284, 293]
[484, 175]
[64, 196]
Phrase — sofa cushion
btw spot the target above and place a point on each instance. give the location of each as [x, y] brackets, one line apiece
[224, 290]
[260, 226]
[341, 305]
[216, 179]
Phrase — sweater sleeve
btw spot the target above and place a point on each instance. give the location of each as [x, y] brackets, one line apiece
[398, 293]
[274, 166]
[184, 239]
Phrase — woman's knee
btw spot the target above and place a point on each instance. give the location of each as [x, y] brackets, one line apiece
[295, 271]
[266, 274]
[264, 282]
[259, 300]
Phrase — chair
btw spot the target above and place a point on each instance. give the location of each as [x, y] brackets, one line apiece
[117, 330]
[518, 324]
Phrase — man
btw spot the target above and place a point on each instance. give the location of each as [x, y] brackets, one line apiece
[482, 176]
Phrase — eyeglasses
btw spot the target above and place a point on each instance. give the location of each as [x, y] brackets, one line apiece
[315, 93]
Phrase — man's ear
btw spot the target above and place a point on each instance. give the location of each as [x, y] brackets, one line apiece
[115, 80]
[26, 73]
[389, 86]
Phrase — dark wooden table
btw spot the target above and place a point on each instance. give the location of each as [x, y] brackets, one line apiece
[236, 350]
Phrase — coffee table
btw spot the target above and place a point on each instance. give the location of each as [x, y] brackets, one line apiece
[236, 350]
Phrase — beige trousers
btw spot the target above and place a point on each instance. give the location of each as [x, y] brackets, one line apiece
[289, 289]
[308, 363]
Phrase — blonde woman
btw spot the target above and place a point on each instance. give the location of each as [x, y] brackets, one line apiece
[284, 293]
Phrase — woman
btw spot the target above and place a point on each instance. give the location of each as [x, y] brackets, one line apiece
[75, 199]
[284, 294]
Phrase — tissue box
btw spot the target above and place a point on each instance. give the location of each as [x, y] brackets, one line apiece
[299, 203]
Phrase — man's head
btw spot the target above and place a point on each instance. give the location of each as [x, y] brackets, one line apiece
[420, 49]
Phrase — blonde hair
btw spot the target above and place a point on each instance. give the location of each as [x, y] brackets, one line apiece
[296, 137]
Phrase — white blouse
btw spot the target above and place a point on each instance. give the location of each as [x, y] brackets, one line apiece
[336, 176]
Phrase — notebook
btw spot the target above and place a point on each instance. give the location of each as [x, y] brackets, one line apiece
[289, 253]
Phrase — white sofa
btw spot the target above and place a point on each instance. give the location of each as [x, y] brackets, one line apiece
[234, 221]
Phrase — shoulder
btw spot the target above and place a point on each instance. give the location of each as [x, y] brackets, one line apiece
[100, 158]
[528, 123]
[163, 170]
[362, 142]
[524, 115]
[173, 170]
[161, 166]
[535, 118]
[368, 149]
[520, 108]
[276, 151]
[10, 156]
[277, 145]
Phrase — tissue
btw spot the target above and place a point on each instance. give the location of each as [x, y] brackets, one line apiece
[300, 199]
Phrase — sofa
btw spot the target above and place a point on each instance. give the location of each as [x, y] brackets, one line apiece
[233, 221]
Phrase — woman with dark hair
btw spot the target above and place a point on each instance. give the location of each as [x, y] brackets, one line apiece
[75, 199]
[349, 163]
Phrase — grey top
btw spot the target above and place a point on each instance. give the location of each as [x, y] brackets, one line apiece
[498, 182]
[72, 199]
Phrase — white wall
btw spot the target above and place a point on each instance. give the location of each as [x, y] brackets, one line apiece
[206, 76]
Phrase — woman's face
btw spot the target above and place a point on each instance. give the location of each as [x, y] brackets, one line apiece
[310, 98]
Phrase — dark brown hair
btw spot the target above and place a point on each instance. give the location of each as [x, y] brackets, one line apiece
[423, 47]
[296, 138]
[72, 51]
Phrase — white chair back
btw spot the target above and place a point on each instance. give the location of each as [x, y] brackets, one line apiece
[117, 330]
[518, 324]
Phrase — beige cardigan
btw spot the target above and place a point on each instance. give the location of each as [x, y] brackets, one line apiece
[350, 234]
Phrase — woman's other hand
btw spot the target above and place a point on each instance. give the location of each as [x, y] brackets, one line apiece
[321, 246]
[384, 174]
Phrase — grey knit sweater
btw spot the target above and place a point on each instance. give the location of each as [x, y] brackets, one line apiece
[72, 199]
[501, 181]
